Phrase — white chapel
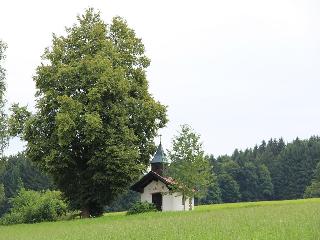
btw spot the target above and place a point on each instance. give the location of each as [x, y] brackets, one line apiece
[154, 187]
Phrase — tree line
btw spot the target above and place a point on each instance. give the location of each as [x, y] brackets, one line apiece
[273, 170]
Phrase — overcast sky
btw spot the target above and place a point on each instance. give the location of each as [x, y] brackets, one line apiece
[237, 71]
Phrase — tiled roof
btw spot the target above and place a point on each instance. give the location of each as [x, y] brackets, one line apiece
[149, 177]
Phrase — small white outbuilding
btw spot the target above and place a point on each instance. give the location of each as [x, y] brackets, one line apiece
[155, 188]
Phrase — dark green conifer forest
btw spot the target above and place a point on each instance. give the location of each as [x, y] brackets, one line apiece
[271, 171]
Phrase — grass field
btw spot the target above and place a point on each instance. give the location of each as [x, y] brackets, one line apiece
[289, 220]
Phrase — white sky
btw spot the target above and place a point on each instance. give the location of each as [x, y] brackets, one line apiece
[237, 71]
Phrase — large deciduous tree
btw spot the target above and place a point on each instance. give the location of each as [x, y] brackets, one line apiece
[189, 167]
[95, 122]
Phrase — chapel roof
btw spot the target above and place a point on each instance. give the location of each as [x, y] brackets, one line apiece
[159, 156]
[149, 177]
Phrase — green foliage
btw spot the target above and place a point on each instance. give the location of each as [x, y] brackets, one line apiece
[2, 194]
[313, 190]
[17, 120]
[17, 172]
[95, 122]
[265, 186]
[273, 170]
[189, 167]
[229, 188]
[226, 171]
[141, 207]
[248, 181]
[31, 207]
[21, 172]
[213, 195]
[296, 166]
[123, 202]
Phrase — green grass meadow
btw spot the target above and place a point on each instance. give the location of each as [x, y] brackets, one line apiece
[289, 220]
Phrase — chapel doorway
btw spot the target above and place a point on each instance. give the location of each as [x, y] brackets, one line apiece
[157, 200]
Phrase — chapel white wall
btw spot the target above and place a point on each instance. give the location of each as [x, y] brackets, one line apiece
[170, 202]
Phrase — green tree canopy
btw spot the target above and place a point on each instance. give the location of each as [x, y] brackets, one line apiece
[229, 188]
[313, 190]
[95, 122]
[265, 186]
[297, 163]
[17, 119]
[189, 167]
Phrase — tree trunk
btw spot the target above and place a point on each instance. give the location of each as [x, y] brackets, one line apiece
[85, 212]
[190, 203]
[184, 202]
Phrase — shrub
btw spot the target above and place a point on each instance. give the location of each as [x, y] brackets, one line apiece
[141, 207]
[312, 191]
[32, 206]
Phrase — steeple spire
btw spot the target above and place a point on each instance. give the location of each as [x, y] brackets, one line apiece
[159, 160]
[160, 156]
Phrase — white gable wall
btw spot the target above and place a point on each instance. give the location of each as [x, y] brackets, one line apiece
[153, 187]
[170, 202]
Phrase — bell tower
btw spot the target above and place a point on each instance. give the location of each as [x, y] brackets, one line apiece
[159, 161]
